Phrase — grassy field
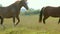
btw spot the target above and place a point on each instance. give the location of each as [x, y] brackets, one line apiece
[30, 25]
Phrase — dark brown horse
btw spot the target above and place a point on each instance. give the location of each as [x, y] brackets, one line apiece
[49, 11]
[12, 11]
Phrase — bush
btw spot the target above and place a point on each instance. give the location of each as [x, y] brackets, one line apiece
[31, 12]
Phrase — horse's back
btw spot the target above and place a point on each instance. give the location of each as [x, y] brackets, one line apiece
[7, 12]
[52, 11]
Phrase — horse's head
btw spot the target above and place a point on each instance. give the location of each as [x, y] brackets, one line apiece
[24, 4]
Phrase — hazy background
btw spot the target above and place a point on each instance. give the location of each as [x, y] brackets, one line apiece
[35, 4]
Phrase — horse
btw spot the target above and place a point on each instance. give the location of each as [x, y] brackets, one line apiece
[49, 11]
[12, 11]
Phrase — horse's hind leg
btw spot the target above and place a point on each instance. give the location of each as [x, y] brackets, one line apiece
[59, 21]
[45, 17]
[18, 20]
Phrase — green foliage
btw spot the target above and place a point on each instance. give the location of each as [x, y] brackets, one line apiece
[31, 12]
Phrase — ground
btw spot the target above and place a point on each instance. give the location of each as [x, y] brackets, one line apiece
[31, 25]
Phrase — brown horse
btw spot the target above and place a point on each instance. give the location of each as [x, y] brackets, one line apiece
[49, 11]
[12, 11]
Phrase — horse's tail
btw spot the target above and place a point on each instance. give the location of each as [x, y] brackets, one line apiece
[40, 15]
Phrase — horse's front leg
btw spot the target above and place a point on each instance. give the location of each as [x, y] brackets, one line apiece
[59, 21]
[1, 20]
[14, 21]
[18, 20]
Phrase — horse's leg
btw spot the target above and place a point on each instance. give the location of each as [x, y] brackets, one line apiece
[45, 17]
[14, 20]
[1, 20]
[2, 23]
[59, 21]
[18, 20]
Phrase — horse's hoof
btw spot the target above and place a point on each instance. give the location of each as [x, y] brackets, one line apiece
[44, 23]
[14, 25]
[39, 22]
[58, 22]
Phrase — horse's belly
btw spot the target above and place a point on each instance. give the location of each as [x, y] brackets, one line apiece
[6, 16]
[55, 15]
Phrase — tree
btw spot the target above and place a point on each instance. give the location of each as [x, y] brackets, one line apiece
[0, 5]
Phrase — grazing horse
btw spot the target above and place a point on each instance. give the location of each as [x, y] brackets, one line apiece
[12, 11]
[49, 11]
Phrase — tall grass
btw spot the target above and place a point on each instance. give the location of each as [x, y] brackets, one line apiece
[30, 25]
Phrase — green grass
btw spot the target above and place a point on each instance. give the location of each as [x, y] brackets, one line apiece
[30, 25]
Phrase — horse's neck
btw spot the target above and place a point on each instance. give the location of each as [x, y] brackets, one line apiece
[15, 6]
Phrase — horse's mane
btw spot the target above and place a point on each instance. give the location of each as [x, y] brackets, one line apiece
[15, 3]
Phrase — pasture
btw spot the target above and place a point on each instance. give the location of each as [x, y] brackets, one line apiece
[30, 25]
